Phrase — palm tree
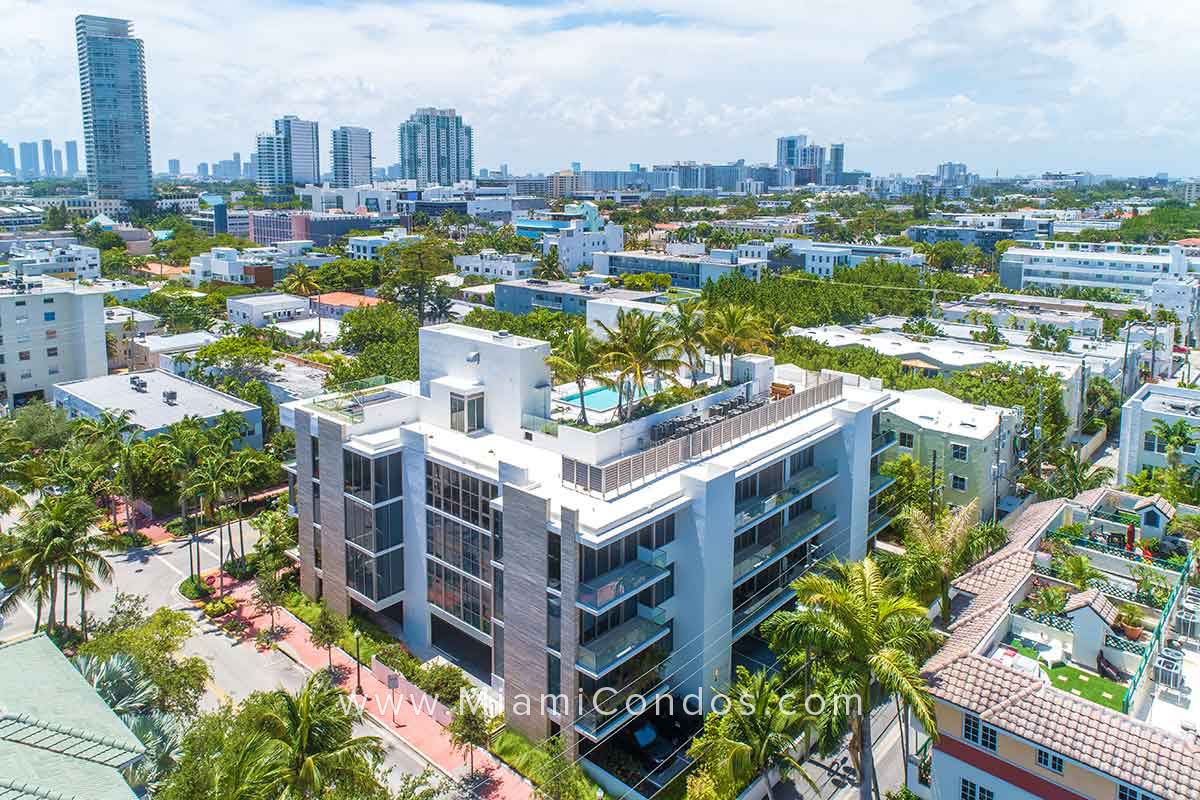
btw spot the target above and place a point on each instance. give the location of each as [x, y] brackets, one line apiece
[1176, 436]
[548, 267]
[18, 470]
[688, 323]
[303, 281]
[1072, 476]
[180, 446]
[108, 431]
[641, 345]
[208, 482]
[731, 330]
[229, 429]
[780, 252]
[861, 631]
[761, 734]
[937, 550]
[241, 470]
[1077, 570]
[578, 360]
[57, 538]
[775, 327]
[314, 746]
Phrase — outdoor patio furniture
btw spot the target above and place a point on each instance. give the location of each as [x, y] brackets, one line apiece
[1109, 670]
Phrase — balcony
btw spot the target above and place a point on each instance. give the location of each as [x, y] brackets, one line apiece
[659, 557]
[605, 591]
[882, 441]
[760, 555]
[800, 484]
[877, 521]
[626, 640]
[753, 611]
[880, 482]
[598, 723]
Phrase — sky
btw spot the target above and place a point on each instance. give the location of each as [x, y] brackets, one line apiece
[1016, 87]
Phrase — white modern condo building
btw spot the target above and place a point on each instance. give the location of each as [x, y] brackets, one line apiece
[551, 559]
[1166, 276]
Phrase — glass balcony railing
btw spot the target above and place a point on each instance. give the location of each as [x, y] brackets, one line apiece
[800, 484]
[602, 654]
[602, 717]
[751, 611]
[880, 482]
[613, 586]
[882, 441]
[761, 554]
[877, 521]
[659, 557]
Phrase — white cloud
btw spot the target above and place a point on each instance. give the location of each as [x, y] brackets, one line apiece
[1024, 86]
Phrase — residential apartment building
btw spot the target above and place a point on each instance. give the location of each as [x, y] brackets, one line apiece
[271, 226]
[170, 352]
[254, 266]
[155, 400]
[335, 305]
[50, 331]
[72, 261]
[1080, 323]
[116, 116]
[371, 199]
[289, 156]
[936, 356]
[1140, 447]
[20, 217]
[984, 238]
[367, 248]
[774, 226]
[122, 326]
[261, 310]
[222, 219]
[976, 446]
[436, 148]
[1161, 276]
[1065, 705]
[525, 295]
[526, 549]
[822, 258]
[492, 264]
[576, 244]
[688, 272]
[351, 155]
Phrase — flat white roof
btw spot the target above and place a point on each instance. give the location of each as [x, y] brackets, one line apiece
[268, 299]
[122, 313]
[935, 410]
[180, 341]
[147, 408]
[329, 328]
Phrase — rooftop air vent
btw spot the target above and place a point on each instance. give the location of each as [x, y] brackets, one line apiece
[170, 396]
[502, 334]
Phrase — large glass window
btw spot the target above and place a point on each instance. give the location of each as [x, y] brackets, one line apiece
[316, 508]
[377, 577]
[356, 475]
[459, 495]
[375, 529]
[459, 596]
[553, 622]
[553, 560]
[389, 477]
[458, 545]
[466, 413]
[315, 444]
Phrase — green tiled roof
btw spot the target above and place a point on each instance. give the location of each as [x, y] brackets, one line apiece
[58, 738]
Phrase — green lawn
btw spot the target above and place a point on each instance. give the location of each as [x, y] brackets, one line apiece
[1099, 690]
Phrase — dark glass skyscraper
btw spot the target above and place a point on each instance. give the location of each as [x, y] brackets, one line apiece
[116, 120]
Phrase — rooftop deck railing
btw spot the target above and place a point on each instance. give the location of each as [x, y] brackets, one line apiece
[624, 474]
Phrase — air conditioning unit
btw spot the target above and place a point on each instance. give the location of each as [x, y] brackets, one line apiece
[170, 396]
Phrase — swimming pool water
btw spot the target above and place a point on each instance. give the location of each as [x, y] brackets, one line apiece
[599, 398]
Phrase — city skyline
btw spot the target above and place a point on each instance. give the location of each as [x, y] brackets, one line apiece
[919, 87]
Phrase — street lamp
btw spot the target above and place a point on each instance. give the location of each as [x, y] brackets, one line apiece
[358, 661]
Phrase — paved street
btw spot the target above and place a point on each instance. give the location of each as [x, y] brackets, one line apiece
[237, 669]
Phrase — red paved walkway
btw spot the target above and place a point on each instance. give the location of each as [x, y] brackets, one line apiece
[420, 731]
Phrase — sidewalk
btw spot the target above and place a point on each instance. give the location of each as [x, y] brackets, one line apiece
[419, 731]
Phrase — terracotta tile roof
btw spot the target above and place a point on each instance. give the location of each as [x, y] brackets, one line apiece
[345, 299]
[1129, 750]
[1193, 242]
[1092, 497]
[1159, 502]
[1095, 600]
